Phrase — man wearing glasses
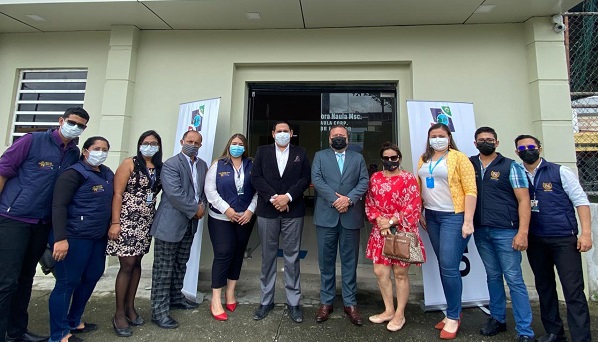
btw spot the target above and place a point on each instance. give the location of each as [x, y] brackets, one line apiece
[501, 222]
[340, 178]
[555, 192]
[28, 171]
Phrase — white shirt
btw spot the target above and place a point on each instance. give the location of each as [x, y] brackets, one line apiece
[282, 157]
[437, 198]
[193, 166]
[570, 183]
[214, 197]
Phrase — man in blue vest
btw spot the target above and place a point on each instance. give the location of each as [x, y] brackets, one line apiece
[501, 223]
[28, 171]
[555, 193]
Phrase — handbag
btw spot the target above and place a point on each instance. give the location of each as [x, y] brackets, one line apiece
[403, 246]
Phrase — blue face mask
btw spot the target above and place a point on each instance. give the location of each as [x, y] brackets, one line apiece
[236, 150]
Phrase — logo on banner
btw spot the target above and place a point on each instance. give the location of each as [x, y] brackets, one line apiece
[443, 115]
[197, 119]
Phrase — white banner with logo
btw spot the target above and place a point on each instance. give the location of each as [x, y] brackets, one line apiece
[459, 117]
[201, 116]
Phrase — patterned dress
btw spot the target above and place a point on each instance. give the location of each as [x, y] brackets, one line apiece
[396, 196]
[136, 216]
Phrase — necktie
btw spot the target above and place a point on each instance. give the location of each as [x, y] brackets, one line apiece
[341, 161]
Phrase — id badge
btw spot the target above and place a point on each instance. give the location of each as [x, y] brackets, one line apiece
[535, 207]
[430, 182]
[240, 190]
[149, 198]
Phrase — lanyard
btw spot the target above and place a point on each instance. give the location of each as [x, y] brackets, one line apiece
[431, 168]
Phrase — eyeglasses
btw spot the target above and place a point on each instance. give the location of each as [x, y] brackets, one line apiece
[151, 143]
[488, 140]
[73, 123]
[391, 158]
[526, 147]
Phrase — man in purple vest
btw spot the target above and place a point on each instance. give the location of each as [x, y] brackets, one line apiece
[28, 171]
[553, 240]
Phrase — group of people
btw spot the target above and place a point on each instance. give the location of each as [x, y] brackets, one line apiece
[53, 193]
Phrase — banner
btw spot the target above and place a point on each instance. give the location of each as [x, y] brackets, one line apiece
[201, 116]
[460, 119]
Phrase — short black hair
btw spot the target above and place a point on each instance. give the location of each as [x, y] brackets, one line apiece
[527, 136]
[90, 141]
[485, 129]
[285, 122]
[390, 146]
[192, 130]
[76, 111]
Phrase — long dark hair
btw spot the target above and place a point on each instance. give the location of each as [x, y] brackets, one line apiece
[429, 152]
[156, 158]
[226, 153]
[90, 141]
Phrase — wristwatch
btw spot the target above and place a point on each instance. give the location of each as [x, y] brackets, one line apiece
[350, 202]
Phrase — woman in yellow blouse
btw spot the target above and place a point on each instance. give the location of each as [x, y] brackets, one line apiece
[448, 187]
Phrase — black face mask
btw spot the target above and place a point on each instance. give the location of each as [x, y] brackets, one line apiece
[391, 165]
[486, 148]
[338, 143]
[529, 156]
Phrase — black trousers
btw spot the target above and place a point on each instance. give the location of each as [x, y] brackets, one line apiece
[21, 247]
[229, 241]
[544, 253]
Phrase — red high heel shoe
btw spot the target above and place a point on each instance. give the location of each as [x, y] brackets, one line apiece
[440, 325]
[445, 335]
[220, 317]
[231, 307]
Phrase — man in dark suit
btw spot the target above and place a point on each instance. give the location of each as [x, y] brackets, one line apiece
[183, 204]
[340, 178]
[280, 174]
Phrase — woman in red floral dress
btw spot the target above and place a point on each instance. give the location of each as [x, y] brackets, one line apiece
[393, 200]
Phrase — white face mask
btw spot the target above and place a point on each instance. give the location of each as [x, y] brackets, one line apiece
[70, 131]
[439, 144]
[148, 150]
[96, 158]
[282, 138]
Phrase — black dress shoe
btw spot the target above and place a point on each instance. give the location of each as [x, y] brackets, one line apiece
[493, 327]
[28, 336]
[262, 311]
[87, 327]
[296, 313]
[552, 338]
[166, 322]
[522, 338]
[136, 322]
[185, 305]
[121, 332]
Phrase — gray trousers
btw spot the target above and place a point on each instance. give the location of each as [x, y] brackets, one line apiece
[290, 230]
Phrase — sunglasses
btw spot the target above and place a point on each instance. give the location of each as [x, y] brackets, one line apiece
[391, 158]
[73, 123]
[526, 147]
[153, 143]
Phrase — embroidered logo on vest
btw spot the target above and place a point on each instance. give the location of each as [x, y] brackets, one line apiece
[494, 175]
[46, 165]
[98, 188]
[547, 186]
[224, 174]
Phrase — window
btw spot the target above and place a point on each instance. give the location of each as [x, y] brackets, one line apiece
[43, 96]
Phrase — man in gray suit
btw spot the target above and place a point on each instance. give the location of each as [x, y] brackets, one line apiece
[183, 204]
[340, 178]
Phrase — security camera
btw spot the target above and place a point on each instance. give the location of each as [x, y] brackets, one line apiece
[559, 25]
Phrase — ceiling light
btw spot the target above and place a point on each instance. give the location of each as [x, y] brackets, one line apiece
[253, 15]
[485, 9]
[35, 17]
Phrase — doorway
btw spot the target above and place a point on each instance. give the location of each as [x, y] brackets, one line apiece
[369, 111]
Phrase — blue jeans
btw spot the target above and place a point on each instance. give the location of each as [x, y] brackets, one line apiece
[444, 229]
[495, 246]
[76, 278]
